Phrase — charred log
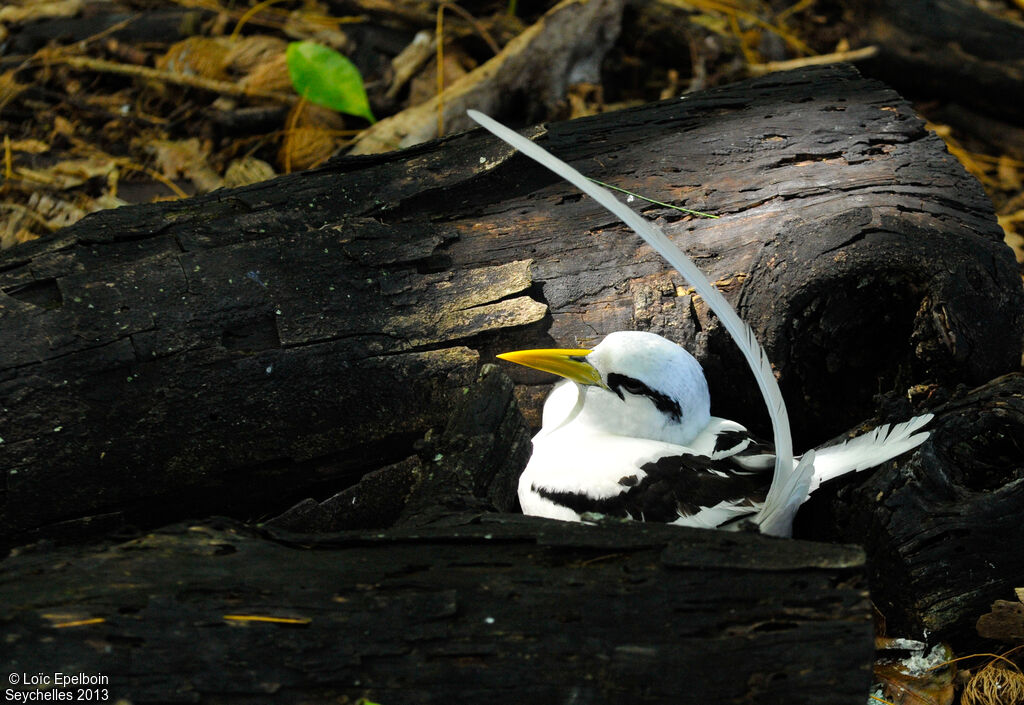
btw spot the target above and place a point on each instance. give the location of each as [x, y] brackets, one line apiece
[504, 610]
[238, 352]
[941, 529]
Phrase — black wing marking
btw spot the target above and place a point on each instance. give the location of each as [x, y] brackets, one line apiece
[748, 453]
[674, 486]
[735, 441]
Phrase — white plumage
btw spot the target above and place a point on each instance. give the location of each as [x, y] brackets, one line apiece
[632, 435]
[638, 439]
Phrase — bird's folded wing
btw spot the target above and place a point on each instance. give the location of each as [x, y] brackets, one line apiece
[723, 438]
[660, 482]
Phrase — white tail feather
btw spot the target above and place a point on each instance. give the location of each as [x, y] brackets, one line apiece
[869, 450]
[776, 516]
[860, 453]
[784, 477]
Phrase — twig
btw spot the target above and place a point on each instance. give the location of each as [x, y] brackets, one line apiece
[834, 58]
[479, 28]
[439, 38]
[24, 210]
[729, 10]
[248, 15]
[153, 174]
[222, 87]
[439, 41]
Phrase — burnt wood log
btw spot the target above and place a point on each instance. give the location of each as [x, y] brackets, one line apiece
[240, 351]
[940, 526]
[120, 23]
[504, 610]
[473, 465]
[943, 530]
[948, 49]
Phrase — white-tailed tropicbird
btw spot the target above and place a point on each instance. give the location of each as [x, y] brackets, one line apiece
[630, 434]
[648, 449]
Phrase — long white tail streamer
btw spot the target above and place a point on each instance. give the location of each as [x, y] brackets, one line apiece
[786, 479]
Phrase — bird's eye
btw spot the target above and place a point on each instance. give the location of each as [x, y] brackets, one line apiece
[621, 383]
[633, 386]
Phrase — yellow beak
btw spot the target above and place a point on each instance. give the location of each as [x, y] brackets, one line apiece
[567, 363]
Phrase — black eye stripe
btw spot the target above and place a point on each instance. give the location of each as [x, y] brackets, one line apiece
[665, 404]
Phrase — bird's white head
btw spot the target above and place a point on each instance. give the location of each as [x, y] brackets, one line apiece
[635, 384]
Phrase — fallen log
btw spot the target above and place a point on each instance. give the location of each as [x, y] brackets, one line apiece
[940, 525]
[949, 49]
[502, 610]
[472, 466]
[942, 530]
[238, 352]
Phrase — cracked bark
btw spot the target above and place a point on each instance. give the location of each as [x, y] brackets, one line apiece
[942, 528]
[241, 351]
[504, 610]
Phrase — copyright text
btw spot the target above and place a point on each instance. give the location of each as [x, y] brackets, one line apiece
[57, 686]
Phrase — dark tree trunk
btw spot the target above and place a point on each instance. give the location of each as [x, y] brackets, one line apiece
[948, 49]
[509, 610]
[240, 351]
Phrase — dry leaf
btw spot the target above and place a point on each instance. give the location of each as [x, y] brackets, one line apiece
[915, 680]
[1012, 237]
[247, 54]
[300, 25]
[248, 170]
[1008, 174]
[585, 99]
[58, 212]
[12, 233]
[30, 146]
[69, 173]
[9, 87]
[423, 87]
[188, 159]
[197, 56]
[14, 13]
[311, 138]
[62, 127]
[271, 75]
[410, 60]
[565, 46]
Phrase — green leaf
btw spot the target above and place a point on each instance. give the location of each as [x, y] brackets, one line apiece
[327, 78]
